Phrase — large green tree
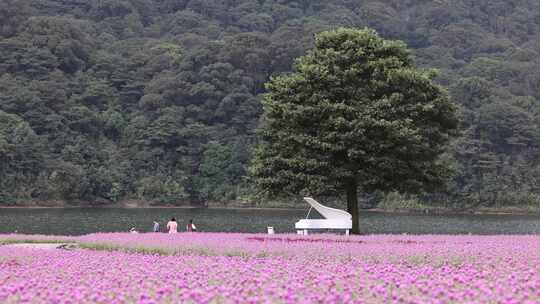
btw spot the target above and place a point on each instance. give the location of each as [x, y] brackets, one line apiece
[354, 115]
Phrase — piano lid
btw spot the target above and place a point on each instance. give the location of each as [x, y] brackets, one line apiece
[327, 212]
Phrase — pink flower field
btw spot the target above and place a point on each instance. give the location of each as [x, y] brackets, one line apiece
[256, 268]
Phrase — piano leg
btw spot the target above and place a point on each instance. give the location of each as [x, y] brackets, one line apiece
[347, 232]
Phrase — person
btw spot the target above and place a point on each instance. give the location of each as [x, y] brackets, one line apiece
[172, 226]
[156, 227]
[133, 230]
[190, 227]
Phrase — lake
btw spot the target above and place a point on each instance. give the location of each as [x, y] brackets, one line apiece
[77, 221]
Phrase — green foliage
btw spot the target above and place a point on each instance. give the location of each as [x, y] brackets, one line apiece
[355, 114]
[221, 170]
[394, 201]
[117, 97]
[12, 15]
[354, 109]
[20, 157]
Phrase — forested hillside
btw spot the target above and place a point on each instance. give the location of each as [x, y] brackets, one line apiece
[158, 100]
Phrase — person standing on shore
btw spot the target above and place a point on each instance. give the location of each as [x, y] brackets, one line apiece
[156, 227]
[172, 226]
[190, 227]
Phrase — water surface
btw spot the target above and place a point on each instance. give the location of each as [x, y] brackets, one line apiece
[77, 221]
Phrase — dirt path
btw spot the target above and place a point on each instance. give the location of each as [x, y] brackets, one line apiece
[48, 246]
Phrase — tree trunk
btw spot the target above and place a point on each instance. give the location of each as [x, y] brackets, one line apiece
[352, 204]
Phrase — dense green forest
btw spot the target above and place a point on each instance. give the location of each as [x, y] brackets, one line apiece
[158, 100]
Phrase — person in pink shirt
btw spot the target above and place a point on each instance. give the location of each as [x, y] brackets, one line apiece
[172, 226]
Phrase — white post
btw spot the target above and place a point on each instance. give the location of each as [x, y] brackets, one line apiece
[305, 232]
[347, 232]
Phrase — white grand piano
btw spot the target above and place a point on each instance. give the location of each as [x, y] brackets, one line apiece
[334, 219]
